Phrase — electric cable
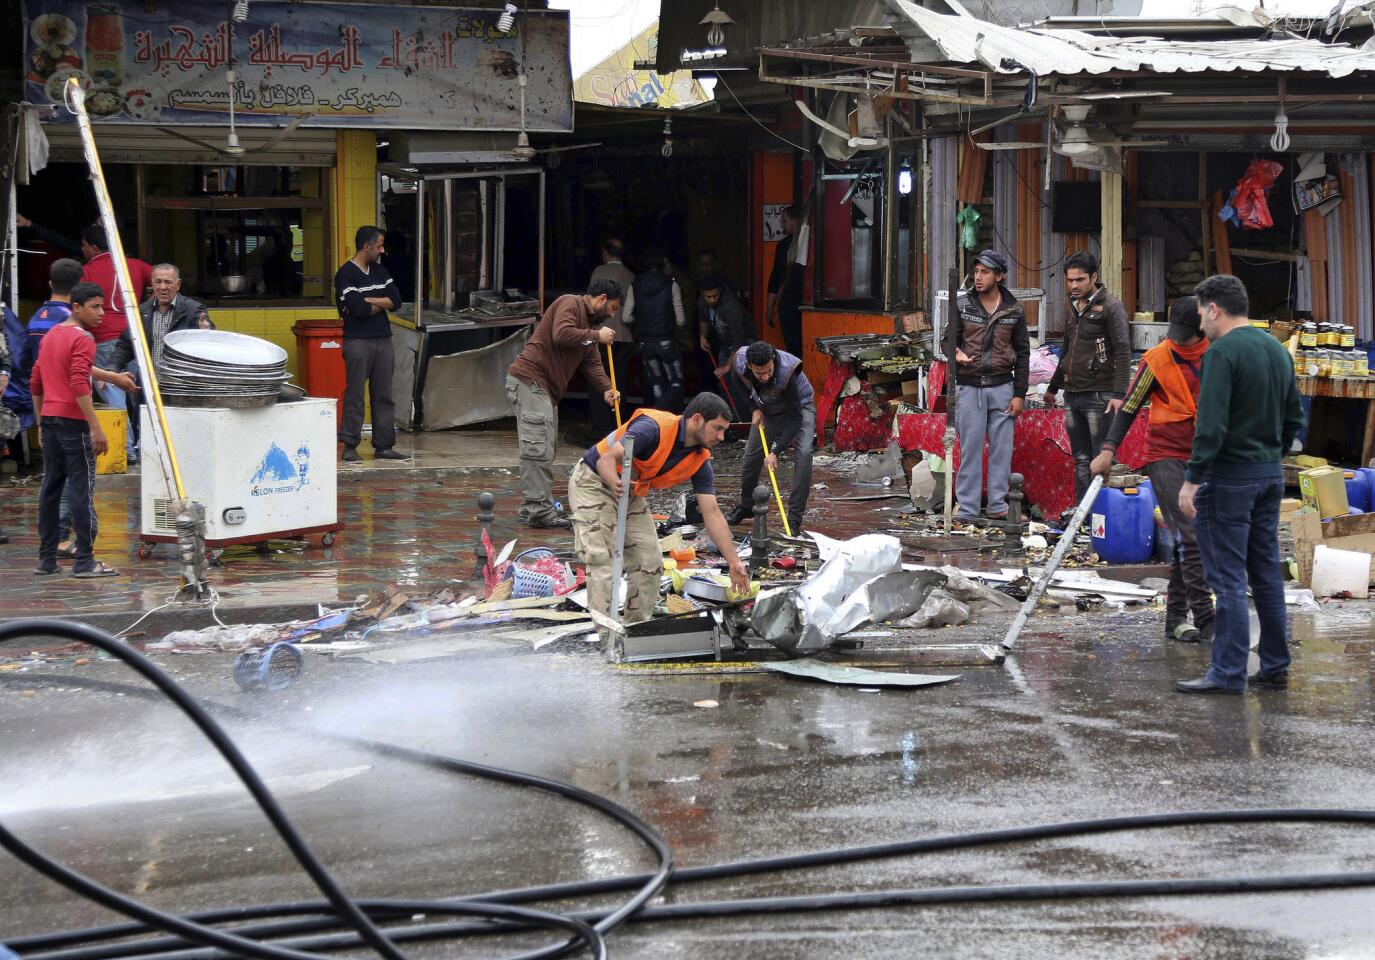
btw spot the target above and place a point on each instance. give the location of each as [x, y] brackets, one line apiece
[341, 904]
[190, 936]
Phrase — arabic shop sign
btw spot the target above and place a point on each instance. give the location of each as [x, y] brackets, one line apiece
[346, 64]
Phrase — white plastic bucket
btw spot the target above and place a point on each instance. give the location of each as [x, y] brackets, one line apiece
[1340, 571]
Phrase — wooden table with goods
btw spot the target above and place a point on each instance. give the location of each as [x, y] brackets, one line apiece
[1347, 388]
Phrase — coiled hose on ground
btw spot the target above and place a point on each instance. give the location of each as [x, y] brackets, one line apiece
[300, 931]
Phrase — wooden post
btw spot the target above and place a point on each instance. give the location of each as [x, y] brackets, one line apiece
[1110, 239]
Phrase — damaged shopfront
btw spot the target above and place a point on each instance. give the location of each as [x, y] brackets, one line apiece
[245, 149]
[1102, 134]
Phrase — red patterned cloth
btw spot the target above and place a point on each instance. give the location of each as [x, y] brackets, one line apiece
[857, 430]
[830, 391]
[1040, 452]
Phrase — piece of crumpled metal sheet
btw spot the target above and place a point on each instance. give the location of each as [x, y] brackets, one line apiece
[856, 676]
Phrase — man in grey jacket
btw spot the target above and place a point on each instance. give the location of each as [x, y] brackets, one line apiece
[1094, 367]
[167, 310]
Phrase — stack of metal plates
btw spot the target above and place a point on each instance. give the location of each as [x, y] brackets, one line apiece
[216, 368]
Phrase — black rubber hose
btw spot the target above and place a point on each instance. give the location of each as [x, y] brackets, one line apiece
[342, 905]
[845, 901]
[856, 901]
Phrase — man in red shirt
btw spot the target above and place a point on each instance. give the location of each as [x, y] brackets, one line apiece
[100, 270]
[70, 433]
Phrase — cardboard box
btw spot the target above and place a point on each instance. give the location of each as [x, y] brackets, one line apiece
[1289, 506]
[1323, 490]
[1343, 533]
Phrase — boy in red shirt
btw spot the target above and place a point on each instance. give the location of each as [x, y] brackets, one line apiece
[70, 433]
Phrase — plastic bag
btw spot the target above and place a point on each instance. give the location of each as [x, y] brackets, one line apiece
[810, 617]
[1042, 365]
[1249, 198]
[968, 219]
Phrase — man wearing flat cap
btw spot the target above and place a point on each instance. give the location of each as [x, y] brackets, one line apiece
[992, 356]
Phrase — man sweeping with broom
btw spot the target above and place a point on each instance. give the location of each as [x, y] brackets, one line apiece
[785, 406]
[668, 449]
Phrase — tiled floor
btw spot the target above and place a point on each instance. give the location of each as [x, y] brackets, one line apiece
[409, 525]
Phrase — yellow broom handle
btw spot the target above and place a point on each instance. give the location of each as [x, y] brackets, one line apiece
[773, 479]
[611, 369]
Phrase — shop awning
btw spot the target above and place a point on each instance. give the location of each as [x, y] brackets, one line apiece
[964, 39]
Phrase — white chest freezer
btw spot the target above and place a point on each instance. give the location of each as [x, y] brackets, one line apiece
[262, 472]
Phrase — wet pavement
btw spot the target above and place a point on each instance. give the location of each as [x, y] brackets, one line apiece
[1082, 723]
[413, 526]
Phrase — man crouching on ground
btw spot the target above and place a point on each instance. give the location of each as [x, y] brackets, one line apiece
[669, 450]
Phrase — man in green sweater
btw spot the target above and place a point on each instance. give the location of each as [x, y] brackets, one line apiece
[1249, 413]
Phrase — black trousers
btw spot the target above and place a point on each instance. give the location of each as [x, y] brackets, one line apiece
[1188, 591]
[68, 457]
[368, 362]
[663, 365]
[790, 320]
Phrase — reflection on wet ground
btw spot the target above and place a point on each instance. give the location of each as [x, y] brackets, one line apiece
[1081, 723]
[413, 528]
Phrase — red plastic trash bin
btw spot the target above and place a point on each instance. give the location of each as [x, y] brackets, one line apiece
[320, 352]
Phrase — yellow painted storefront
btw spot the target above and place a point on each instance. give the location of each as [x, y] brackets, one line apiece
[351, 188]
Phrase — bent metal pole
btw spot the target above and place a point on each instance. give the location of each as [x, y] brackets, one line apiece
[166, 458]
[1061, 548]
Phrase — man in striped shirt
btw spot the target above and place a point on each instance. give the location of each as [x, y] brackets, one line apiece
[1168, 381]
[364, 291]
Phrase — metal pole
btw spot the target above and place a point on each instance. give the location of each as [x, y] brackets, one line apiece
[12, 244]
[952, 340]
[166, 456]
[421, 256]
[615, 647]
[1061, 548]
[499, 254]
[541, 241]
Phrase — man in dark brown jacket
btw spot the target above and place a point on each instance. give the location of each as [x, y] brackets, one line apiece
[563, 343]
[992, 356]
[1095, 365]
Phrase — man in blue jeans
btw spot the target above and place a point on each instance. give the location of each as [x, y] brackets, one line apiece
[1249, 413]
[1095, 366]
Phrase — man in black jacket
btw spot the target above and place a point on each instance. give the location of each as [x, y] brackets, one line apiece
[165, 311]
[992, 357]
[724, 327]
[1095, 365]
[654, 312]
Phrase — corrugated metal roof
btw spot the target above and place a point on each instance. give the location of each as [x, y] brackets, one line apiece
[969, 40]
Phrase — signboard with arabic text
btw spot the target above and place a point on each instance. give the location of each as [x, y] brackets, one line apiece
[344, 65]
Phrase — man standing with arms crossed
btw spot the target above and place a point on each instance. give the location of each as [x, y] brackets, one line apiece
[364, 291]
[1249, 413]
[993, 358]
[563, 343]
[1168, 381]
[1095, 365]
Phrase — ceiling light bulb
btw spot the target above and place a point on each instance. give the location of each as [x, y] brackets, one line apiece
[240, 13]
[506, 21]
[905, 178]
